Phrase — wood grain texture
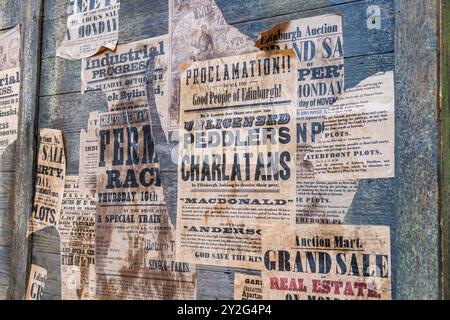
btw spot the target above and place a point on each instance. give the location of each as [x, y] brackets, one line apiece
[30, 17]
[416, 236]
[445, 147]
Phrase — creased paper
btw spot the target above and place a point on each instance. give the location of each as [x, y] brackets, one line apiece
[318, 44]
[51, 173]
[77, 230]
[36, 283]
[91, 26]
[135, 241]
[247, 287]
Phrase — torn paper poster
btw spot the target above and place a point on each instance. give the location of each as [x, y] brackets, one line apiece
[135, 240]
[92, 25]
[358, 136]
[121, 75]
[247, 287]
[36, 283]
[89, 156]
[236, 156]
[318, 262]
[9, 87]
[50, 176]
[318, 44]
[199, 32]
[77, 230]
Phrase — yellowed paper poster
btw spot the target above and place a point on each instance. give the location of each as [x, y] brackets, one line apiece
[9, 87]
[77, 230]
[318, 44]
[199, 32]
[236, 156]
[92, 25]
[50, 176]
[247, 287]
[36, 283]
[327, 262]
[89, 156]
[135, 240]
[359, 134]
[121, 75]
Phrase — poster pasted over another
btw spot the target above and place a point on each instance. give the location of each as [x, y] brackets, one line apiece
[36, 283]
[92, 25]
[247, 287]
[199, 32]
[135, 240]
[50, 177]
[9, 87]
[77, 230]
[236, 156]
[318, 44]
[121, 75]
[315, 262]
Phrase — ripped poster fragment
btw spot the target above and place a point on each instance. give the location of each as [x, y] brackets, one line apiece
[92, 25]
[236, 156]
[317, 262]
[121, 75]
[318, 44]
[77, 230]
[135, 240]
[36, 283]
[89, 156]
[9, 87]
[247, 287]
[50, 177]
[199, 32]
[358, 136]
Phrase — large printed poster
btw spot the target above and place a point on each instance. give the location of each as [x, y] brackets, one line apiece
[318, 44]
[9, 87]
[236, 155]
[135, 240]
[317, 262]
[91, 26]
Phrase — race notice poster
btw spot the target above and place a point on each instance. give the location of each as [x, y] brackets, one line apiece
[135, 241]
[236, 156]
[50, 177]
[318, 44]
[77, 230]
[199, 32]
[317, 262]
[91, 26]
[9, 86]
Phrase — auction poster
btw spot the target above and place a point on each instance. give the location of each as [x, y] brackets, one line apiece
[327, 262]
[92, 25]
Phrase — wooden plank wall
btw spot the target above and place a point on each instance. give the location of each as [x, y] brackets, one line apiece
[9, 18]
[407, 203]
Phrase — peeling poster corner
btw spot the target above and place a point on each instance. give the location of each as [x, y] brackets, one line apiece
[50, 177]
[92, 25]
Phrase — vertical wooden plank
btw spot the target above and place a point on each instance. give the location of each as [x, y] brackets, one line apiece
[31, 21]
[416, 236]
[445, 147]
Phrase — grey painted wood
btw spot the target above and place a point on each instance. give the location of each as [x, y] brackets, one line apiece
[417, 243]
[31, 16]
